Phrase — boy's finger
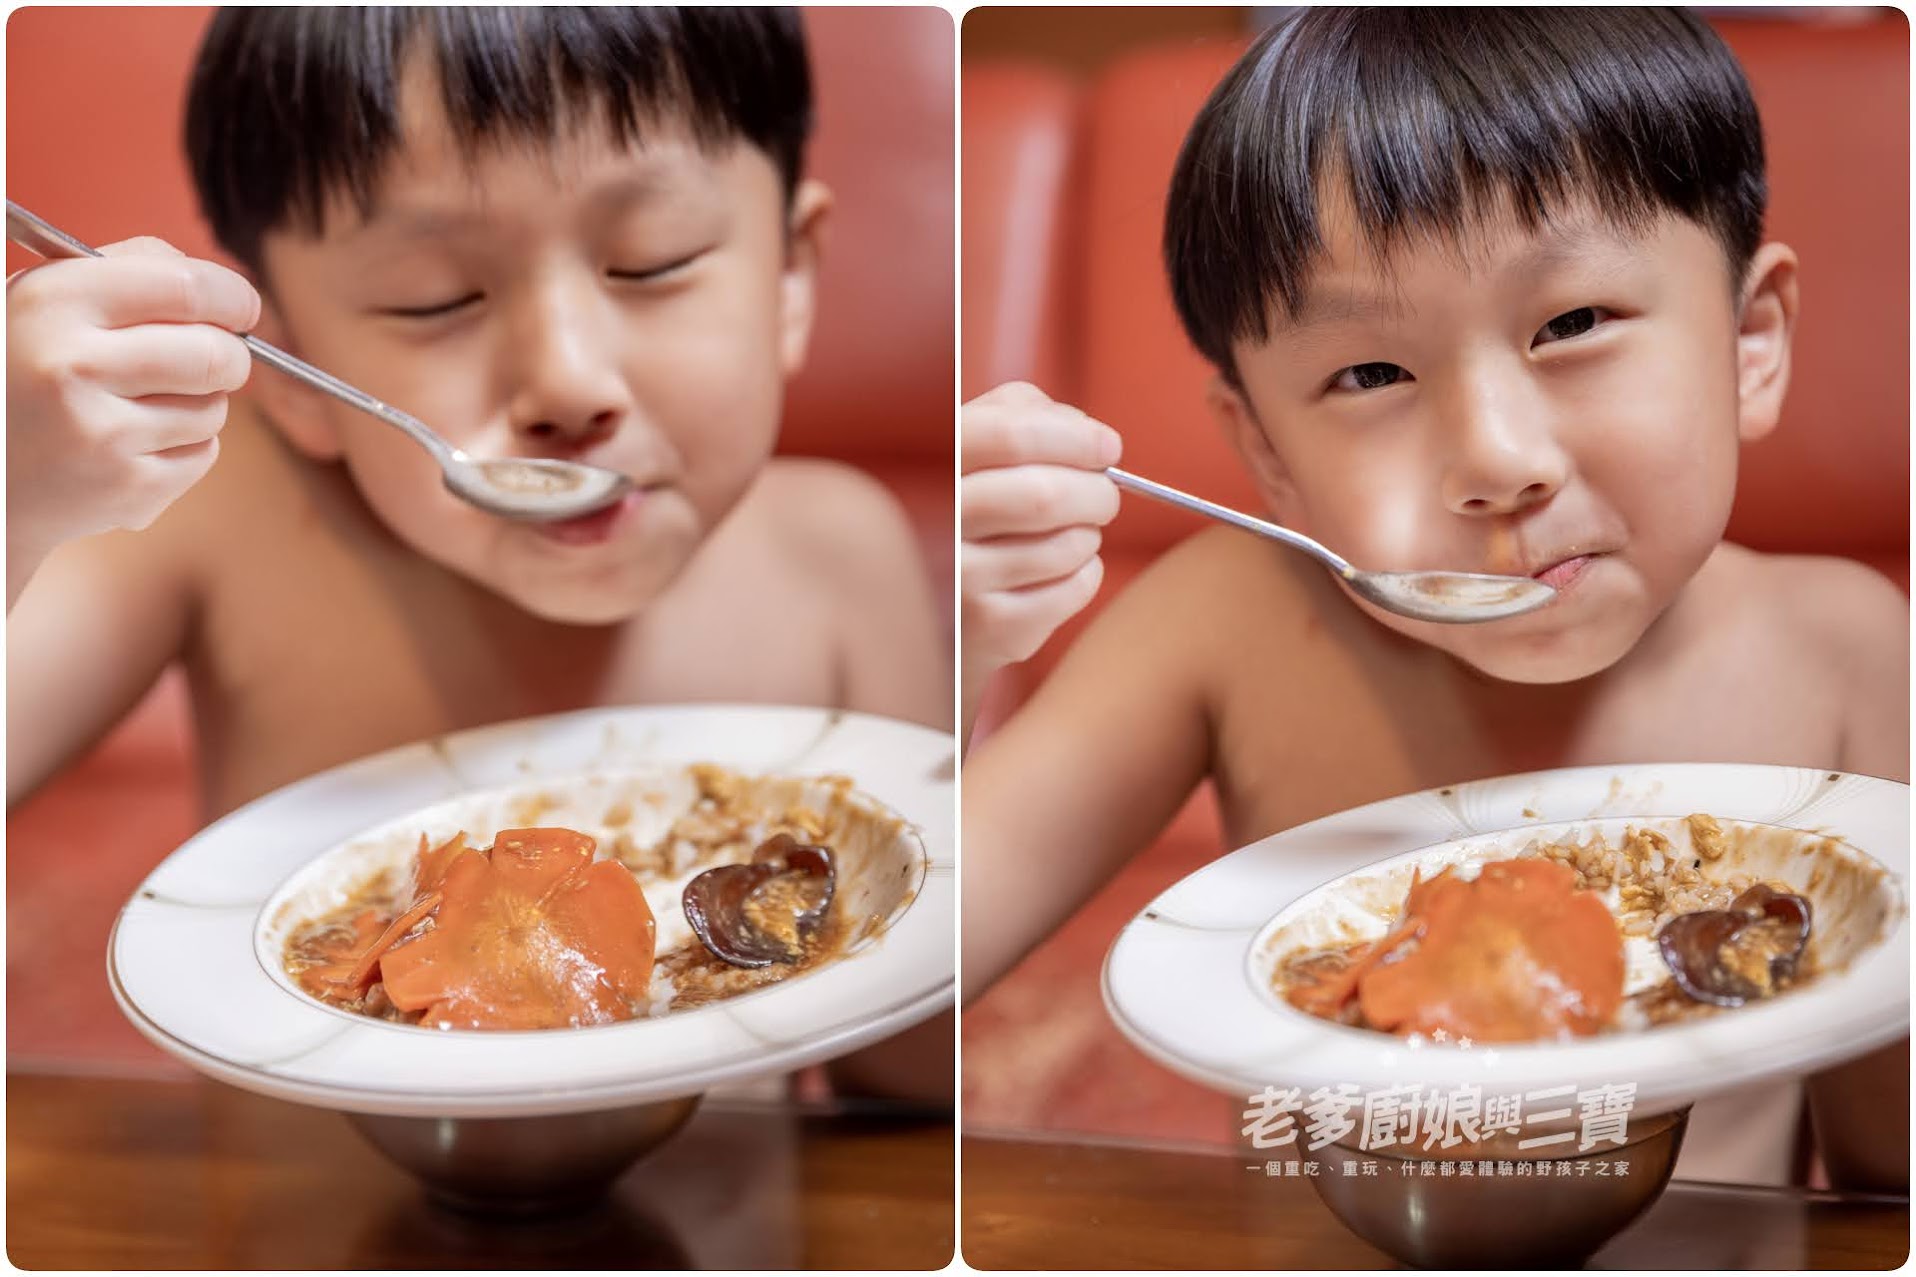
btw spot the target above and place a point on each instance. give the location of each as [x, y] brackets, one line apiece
[140, 246]
[199, 455]
[1014, 393]
[1034, 499]
[1014, 563]
[168, 359]
[147, 288]
[170, 473]
[1014, 624]
[1052, 435]
[165, 423]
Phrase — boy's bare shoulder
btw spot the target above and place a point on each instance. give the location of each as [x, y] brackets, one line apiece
[1838, 609]
[1219, 582]
[1222, 605]
[827, 502]
[831, 523]
[836, 549]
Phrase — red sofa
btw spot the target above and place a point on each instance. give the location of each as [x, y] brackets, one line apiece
[93, 145]
[1063, 196]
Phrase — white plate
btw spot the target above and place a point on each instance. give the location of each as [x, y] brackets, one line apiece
[1184, 980]
[185, 964]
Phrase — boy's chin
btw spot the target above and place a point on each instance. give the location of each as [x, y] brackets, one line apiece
[1565, 657]
[592, 611]
[576, 602]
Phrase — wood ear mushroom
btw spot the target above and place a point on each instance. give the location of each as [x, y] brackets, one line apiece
[753, 915]
[1728, 957]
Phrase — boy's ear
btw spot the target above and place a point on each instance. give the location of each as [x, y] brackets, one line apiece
[298, 411]
[804, 245]
[1764, 330]
[1246, 434]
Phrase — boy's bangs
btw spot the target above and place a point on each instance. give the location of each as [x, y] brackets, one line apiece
[1430, 121]
[330, 79]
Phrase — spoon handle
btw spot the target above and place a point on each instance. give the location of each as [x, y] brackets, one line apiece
[1224, 514]
[36, 233]
[32, 232]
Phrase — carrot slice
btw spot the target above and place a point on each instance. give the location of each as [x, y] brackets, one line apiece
[1325, 997]
[532, 862]
[434, 861]
[533, 935]
[340, 954]
[362, 973]
[1515, 955]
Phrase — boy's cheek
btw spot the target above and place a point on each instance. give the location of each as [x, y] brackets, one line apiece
[402, 486]
[732, 329]
[732, 444]
[404, 489]
[718, 383]
[383, 460]
[1393, 531]
[1379, 516]
[1664, 464]
[703, 355]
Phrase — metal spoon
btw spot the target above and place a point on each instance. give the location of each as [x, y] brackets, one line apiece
[1454, 597]
[532, 489]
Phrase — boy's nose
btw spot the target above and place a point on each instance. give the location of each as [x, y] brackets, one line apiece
[1504, 458]
[569, 390]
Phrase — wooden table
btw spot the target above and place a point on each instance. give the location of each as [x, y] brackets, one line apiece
[1033, 1204]
[118, 1173]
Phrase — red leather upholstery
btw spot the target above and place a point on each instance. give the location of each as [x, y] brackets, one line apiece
[1834, 478]
[93, 136]
[1021, 125]
[877, 389]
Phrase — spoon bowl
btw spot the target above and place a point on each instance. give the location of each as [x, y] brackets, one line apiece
[1452, 598]
[534, 489]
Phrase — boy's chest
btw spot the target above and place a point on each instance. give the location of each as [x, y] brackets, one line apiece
[295, 673]
[1356, 738]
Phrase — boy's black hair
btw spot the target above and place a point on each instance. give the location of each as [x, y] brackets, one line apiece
[289, 105]
[1429, 116]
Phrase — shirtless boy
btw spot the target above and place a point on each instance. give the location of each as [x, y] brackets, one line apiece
[602, 248]
[616, 268]
[1528, 338]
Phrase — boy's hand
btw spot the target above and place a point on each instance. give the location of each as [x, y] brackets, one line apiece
[118, 369]
[1033, 498]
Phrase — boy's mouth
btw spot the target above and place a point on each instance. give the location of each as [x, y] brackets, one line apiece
[1561, 574]
[594, 528]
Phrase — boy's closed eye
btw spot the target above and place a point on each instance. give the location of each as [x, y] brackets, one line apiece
[662, 272]
[431, 310]
[1376, 375]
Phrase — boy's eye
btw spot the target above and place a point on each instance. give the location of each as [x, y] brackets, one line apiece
[431, 312]
[1572, 323]
[660, 271]
[1368, 377]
